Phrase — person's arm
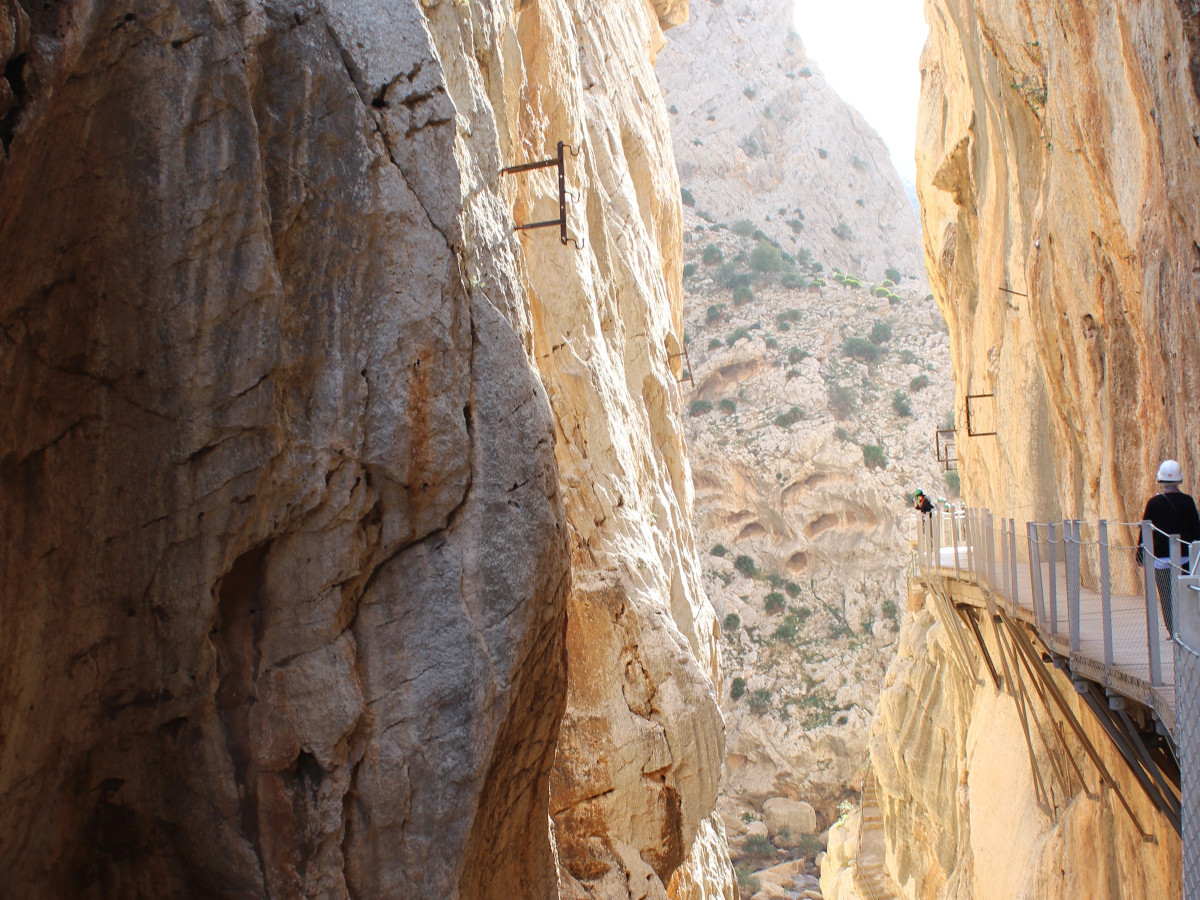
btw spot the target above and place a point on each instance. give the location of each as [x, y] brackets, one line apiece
[1141, 551]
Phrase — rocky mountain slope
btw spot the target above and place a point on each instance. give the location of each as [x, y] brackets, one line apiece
[806, 437]
[819, 382]
[759, 134]
[348, 535]
[1057, 159]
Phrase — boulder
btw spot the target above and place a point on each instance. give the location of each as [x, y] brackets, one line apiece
[794, 816]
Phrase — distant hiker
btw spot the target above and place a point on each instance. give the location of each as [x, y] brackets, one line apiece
[921, 503]
[1170, 511]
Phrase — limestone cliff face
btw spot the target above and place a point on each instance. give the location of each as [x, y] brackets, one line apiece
[760, 135]
[1058, 157]
[956, 791]
[315, 475]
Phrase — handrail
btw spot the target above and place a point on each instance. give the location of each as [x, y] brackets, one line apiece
[1115, 630]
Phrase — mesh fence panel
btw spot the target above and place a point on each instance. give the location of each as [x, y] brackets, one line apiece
[1187, 725]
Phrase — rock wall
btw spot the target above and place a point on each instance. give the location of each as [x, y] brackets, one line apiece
[961, 818]
[318, 480]
[1058, 157]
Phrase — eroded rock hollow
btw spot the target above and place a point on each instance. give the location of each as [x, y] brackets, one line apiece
[318, 480]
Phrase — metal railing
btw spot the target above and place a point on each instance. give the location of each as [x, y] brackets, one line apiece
[1079, 584]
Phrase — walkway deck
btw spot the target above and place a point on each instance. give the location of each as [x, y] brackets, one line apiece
[1129, 672]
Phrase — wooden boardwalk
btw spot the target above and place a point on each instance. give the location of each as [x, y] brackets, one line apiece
[1130, 671]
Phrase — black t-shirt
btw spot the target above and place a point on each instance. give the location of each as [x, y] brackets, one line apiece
[1175, 513]
[922, 504]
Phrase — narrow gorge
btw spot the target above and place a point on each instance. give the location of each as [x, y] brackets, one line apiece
[361, 541]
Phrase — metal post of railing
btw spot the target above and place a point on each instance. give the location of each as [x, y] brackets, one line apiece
[990, 546]
[970, 536]
[1035, 576]
[1004, 557]
[1176, 566]
[1106, 596]
[1152, 643]
[1012, 562]
[1052, 576]
[1071, 542]
[954, 537]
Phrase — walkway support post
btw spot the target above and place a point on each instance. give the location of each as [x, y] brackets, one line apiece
[1176, 570]
[1052, 575]
[1071, 546]
[1012, 561]
[1035, 576]
[1004, 557]
[1152, 643]
[1106, 597]
[954, 537]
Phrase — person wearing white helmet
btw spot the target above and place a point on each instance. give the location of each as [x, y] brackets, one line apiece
[1170, 511]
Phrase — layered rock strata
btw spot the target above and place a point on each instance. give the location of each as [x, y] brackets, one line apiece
[1058, 158]
[960, 813]
[316, 475]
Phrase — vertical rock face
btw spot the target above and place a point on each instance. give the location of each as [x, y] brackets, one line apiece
[1057, 172]
[961, 818]
[300, 446]
[1058, 157]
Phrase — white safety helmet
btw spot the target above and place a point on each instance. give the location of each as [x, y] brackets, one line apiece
[1169, 472]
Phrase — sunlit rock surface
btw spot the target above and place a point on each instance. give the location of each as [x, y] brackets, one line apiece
[316, 475]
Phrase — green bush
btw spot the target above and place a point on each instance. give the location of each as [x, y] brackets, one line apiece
[689, 269]
[796, 355]
[760, 702]
[749, 92]
[774, 603]
[789, 418]
[737, 688]
[792, 281]
[948, 420]
[727, 405]
[714, 344]
[714, 313]
[880, 333]
[733, 622]
[742, 295]
[766, 257]
[841, 434]
[782, 325]
[901, 405]
[743, 227]
[861, 349]
[750, 145]
[893, 274]
[874, 456]
[736, 336]
[793, 589]
[919, 383]
[747, 883]
[823, 153]
[687, 197]
[842, 231]
[718, 550]
[745, 565]
[699, 407]
[889, 609]
[712, 255]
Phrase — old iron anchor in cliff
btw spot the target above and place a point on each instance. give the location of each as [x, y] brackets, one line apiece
[561, 162]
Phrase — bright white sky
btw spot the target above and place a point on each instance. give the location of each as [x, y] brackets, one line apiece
[870, 52]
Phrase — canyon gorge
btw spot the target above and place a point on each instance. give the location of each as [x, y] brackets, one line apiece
[358, 544]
